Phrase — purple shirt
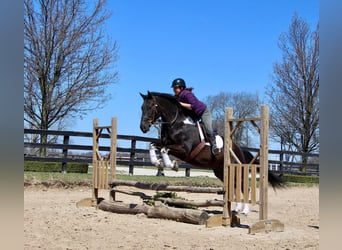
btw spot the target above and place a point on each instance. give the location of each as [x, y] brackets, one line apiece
[188, 97]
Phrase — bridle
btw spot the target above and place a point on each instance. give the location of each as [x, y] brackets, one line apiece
[155, 114]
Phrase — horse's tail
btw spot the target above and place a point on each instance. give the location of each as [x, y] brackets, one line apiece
[276, 181]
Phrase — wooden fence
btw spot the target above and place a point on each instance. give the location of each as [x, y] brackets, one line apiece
[61, 150]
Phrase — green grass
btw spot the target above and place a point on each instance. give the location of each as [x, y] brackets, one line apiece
[46, 176]
[73, 178]
[86, 179]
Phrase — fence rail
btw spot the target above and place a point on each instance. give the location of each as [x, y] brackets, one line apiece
[134, 156]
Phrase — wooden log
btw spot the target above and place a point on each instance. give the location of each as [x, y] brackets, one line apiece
[164, 187]
[266, 226]
[191, 216]
[173, 202]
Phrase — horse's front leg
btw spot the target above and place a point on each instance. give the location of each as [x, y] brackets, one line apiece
[153, 156]
[167, 161]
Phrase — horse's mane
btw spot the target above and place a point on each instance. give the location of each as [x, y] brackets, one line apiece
[171, 98]
[174, 101]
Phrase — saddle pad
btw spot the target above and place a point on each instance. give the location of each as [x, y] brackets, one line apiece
[219, 141]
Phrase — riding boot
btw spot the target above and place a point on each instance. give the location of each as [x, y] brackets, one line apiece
[214, 148]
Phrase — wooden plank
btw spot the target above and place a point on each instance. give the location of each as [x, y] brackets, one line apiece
[238, 183]
[253, 185]
[113, 152]
[231, 186]
[244, 119]
[54, 159]
[255, 126]
[235, 158]
[104, 127]
[104, 174]
[246, 183]
[56, 146]
[95, 148]
[265, 226]
[164, 187]
[57, 132]
[170, 201]
[235, 128]
[226, 215]
[255, 157]
[263, 188]
[216, 220]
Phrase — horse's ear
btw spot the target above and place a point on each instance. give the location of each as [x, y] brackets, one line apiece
[149, 95]
[143, 96]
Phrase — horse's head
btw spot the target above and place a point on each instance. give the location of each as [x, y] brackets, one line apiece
[150, 112]
[158, 105]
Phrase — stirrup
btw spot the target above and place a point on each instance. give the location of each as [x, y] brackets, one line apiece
[214, 149]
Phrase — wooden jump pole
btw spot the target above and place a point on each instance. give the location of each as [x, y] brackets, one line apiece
[227, 211]
[234, 170]
[263, 179]
[95, 161]
[100, 164]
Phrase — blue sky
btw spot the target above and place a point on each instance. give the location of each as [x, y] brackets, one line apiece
[214, 46]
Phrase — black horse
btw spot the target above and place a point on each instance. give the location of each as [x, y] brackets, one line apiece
[181, 139]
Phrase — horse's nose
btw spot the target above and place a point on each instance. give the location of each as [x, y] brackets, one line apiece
[144, 128]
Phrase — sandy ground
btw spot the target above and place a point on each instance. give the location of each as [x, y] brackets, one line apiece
[52, 221]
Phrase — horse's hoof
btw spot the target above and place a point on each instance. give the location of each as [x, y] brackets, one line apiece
[175, 165]
[244, 215]
[175, 168]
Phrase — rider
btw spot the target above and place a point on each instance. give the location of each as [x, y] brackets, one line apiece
[189, 101]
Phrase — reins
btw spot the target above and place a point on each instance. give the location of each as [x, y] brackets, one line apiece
[155, 105]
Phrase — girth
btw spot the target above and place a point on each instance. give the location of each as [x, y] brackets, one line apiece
[196, 151]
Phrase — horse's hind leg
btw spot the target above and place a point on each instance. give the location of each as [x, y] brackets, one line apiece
[242, 208]
[167, 161]
[245, 210]
[238, 207]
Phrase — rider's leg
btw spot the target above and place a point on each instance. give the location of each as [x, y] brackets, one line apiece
[207, 121]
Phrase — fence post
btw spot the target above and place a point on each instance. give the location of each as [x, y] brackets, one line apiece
[113, 139]
[281, 159]
[65, 153]
[187, 172]
[132, 155]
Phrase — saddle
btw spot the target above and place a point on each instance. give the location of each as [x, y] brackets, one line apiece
[205, 139]
[203, 134]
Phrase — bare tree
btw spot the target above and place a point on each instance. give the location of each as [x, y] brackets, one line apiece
[68, 60]
[243, 104]
[293, 95]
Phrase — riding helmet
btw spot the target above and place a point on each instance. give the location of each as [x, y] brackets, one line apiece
[178, 82]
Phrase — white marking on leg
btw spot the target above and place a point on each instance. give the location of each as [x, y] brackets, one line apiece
[245, 209]
[238, 207]
[167, 161]
[153, 156]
